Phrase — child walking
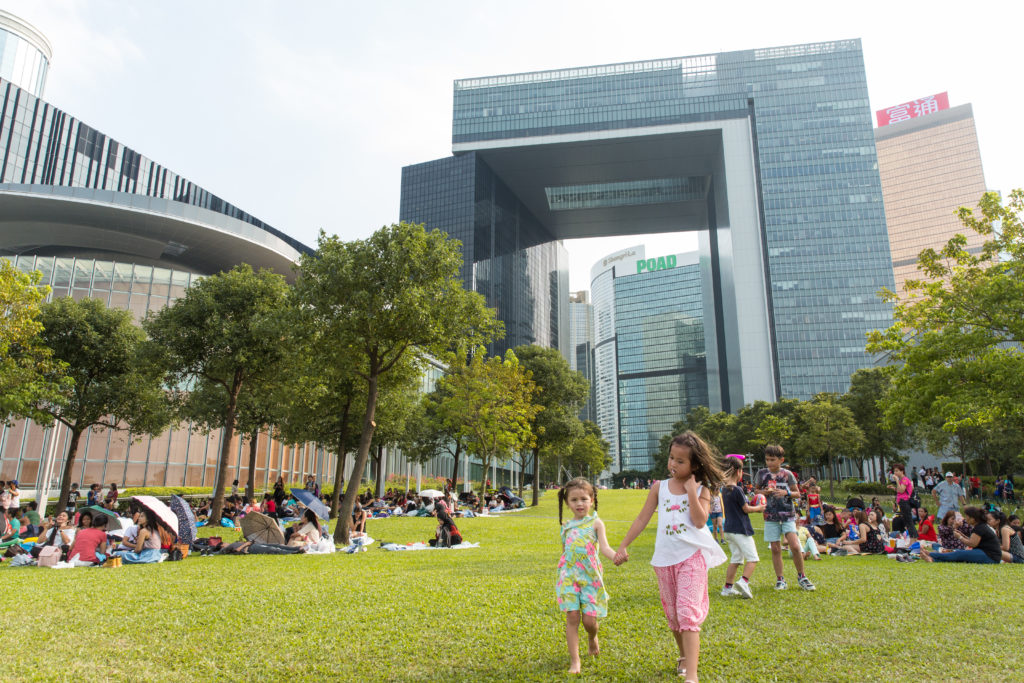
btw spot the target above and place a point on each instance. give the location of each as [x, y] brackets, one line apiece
[779, 487]
[739, 533]
[580, 585]
[684, 548]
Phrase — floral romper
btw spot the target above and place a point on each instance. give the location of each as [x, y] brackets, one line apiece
[580, 585]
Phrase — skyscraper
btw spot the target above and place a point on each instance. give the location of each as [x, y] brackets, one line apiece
[769, 152]
[930, 166]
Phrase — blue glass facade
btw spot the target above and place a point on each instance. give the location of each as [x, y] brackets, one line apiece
[825, 244]
[508, 256]
[661, 359]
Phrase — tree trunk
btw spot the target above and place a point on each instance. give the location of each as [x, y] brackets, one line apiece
[483, 479]
[831, 475]
[536, 476]
[455, 469]
[250, 484]
[69, 464]
[522, 469]
[225, 450]
[339, 474]
[378, 474]
[363, 452]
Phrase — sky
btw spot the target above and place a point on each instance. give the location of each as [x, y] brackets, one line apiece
[303, 113]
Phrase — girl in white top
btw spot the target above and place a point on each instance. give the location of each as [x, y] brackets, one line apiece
[684, 548]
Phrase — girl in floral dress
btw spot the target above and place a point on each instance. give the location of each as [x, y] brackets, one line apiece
[580, 584]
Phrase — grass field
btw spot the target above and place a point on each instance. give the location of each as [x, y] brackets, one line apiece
[489, 614]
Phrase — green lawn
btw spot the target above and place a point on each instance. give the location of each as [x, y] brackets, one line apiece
[490, 614]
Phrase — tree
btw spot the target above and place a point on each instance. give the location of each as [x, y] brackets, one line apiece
[113, 385]
[228, 330]
[865, 397]
[827, 430]
[29, 375]
[956, 338]
[491, 404]
[428, 434]
[589, 452]
[395, 294]
[562, 391]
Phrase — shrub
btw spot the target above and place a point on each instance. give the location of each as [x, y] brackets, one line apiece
[870, 488]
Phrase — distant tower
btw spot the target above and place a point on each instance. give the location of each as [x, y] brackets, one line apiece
[25, 54]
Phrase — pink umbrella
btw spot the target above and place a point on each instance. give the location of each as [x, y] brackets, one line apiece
[163, 513]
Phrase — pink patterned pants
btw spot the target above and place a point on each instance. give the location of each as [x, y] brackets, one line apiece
[684, 593]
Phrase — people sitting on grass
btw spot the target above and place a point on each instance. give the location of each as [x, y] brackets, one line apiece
[926, 526]
[305, 532]
[93, 496]
[1009, 539]
[447, 534]
[146, 549]
[952, 522]
[358, 518]
[832, 528]
[29, 520]
[59, 532]
[10, 529]
[982, 546]
[90, 546]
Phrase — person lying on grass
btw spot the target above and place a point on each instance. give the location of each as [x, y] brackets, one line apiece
[982, 546]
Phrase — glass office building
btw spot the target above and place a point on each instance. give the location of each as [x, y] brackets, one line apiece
[651, 354]
[769, 153]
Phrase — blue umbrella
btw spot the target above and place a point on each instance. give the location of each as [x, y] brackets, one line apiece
[310, 501]
[186, 519]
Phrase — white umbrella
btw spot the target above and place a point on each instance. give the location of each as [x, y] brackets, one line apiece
[432, 493]
[162, 512]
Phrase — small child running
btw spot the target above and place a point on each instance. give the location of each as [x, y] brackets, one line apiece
[684, 548]
[739, 533]
[580, 585]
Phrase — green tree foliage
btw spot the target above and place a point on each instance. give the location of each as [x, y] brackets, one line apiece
[29, 375]
[869, 389]
[490, 403]
[429, 434]
[827, 430]
[588, 455]
[561, 392]
[226, 332]
[956, 338]
[394, 295]
[113, 384]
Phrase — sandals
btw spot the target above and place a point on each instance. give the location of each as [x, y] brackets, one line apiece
[680, 668]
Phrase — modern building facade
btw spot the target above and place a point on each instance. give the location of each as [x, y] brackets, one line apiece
[929, 166]
[25, 54]
[581, 345]
[770, 153]
[651, 352]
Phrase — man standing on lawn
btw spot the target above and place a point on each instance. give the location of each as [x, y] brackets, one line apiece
[949, 495]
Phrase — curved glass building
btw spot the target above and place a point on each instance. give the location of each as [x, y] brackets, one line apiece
[25, 54]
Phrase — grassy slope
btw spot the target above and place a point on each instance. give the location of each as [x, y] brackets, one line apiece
[489, 614]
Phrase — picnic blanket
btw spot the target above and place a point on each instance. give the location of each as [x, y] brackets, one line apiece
[357, 545]
[424, 546]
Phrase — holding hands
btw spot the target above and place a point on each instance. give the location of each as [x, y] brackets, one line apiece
[621, 556]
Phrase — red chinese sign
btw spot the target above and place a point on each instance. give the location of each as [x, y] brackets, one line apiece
[911, 110]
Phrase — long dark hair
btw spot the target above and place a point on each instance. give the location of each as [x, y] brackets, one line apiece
[577, 483]
[151, 523]
[705, 465]
[311, 517]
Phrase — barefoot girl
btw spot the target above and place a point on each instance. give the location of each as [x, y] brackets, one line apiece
[684, 549]
[580, 586]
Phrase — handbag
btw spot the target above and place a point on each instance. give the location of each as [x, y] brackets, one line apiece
[49, 556]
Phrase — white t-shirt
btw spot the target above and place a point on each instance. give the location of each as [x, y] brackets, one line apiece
[678, 539]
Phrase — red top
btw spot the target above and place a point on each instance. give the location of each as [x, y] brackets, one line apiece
[926, 530]
[86, 543]
[813, 500]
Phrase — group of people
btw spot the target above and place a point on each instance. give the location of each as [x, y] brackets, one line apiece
[704, 504]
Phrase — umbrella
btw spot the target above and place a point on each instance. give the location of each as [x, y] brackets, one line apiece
[112, 520]
[432, 493]
[159, 508]
[186, 519]
[257, 527]
[310, 501]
